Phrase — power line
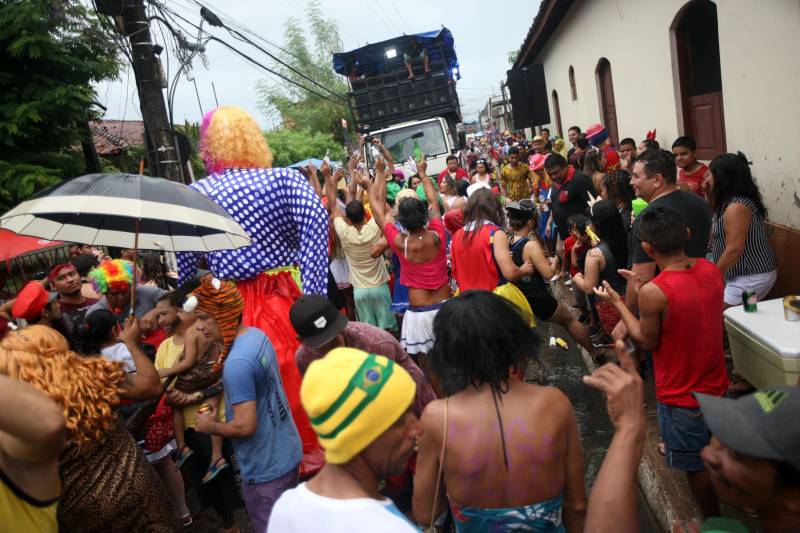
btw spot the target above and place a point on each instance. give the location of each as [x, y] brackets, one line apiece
[238, 35]
[378, 17]
[383, 10]
[247, 57]
[391, 2]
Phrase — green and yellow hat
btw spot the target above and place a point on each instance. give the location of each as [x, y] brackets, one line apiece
[352, 397]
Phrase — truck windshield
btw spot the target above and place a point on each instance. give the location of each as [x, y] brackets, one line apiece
[429, 137]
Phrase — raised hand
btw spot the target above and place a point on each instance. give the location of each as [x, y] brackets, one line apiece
[325, 169]
[632, 277]
[607, 294]
[380, 165]
[623, 388]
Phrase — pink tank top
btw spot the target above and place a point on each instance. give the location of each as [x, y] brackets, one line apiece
[430, 275]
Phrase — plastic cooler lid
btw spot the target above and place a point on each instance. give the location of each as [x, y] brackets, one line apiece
[768, 326]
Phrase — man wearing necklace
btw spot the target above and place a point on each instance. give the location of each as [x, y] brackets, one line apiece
[680, 320]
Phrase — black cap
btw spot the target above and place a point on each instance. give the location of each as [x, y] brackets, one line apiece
[762, 424]
[316, 320]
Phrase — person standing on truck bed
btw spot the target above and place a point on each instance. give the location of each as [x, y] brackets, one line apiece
[415, 54]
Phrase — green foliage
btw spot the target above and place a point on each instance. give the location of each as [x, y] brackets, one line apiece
[51, 52]
[296, 107]
[512, 56]
[292, 145]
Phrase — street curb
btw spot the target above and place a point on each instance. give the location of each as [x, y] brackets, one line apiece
[665, 489]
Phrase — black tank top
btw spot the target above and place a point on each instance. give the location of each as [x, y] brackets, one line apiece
[533, 286]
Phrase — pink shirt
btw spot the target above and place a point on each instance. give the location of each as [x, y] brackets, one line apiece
[430, 275]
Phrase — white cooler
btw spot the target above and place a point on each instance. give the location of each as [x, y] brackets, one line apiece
[765, 346]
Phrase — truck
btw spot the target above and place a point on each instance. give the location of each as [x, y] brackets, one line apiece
[420, 114]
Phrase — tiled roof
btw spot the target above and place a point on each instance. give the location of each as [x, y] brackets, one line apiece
[112, 137]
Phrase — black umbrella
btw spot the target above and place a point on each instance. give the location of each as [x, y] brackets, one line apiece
[127, 211]
[116, 209]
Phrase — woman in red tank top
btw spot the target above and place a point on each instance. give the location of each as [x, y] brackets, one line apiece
[479, 251]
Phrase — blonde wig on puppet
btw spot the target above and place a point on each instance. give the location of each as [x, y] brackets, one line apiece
[115, 275]
[85, 387]
[231, 138]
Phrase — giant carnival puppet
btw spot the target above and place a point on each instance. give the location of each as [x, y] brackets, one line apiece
[289, 230]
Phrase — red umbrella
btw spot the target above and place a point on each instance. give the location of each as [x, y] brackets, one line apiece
[13, 245]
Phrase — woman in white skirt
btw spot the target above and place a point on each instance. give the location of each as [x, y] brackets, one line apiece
[421, 249]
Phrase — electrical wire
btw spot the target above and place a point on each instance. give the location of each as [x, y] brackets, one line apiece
[391, 2]
[378, 17]
[386, 14]
[238, 35]
[245, 56]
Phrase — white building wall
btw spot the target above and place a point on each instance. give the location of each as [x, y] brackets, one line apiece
[761, 95]
[760, 70]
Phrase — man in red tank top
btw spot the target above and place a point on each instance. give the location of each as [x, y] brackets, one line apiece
[681, 322]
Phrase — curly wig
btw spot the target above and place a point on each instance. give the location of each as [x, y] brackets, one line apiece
[231, 138]
[115, 275]
[85, 387]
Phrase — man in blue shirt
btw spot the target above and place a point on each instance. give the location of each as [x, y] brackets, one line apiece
[259, 422]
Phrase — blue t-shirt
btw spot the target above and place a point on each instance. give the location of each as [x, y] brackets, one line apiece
[250, 373]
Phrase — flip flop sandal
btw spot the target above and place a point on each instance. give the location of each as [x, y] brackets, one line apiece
[183, 456]
[215, 469]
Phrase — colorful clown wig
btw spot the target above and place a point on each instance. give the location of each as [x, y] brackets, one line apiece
[115, 275]
[223, 301]
[87, 388]
[231, 138]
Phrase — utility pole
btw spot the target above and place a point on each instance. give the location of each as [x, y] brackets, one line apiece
[134, 24]
[509, 125]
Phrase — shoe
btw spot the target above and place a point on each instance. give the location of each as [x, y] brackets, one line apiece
[568, 282]
[594, 331]
[183, 456]
[214, 470]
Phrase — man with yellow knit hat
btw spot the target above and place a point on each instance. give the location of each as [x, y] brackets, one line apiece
[259, 423]
[360, 407]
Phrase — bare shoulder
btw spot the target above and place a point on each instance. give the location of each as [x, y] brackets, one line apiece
[433, 416]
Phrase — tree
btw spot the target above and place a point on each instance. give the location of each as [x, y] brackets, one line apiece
[290, 145]
[51, 52]
[294, 106]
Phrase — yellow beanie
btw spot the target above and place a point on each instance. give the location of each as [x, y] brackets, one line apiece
[352, 397]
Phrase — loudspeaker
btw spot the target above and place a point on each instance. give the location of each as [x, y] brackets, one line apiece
[528, 96]
[537, 94]
[516, 83]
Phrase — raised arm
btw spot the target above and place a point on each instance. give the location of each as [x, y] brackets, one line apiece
[613, 502]
[430, 190]
[330, 191]
[376, 192]
[387, 155]
[145, 383]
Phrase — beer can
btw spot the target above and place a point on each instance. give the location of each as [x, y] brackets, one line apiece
[791, 308]
[203, 409]
[750, 301]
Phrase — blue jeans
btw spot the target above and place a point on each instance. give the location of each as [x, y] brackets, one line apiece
[685, 434]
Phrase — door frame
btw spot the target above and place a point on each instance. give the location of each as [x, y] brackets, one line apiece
[680, 74]
[613, 133]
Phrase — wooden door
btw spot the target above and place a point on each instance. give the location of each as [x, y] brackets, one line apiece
[608, 106]
[707, 124]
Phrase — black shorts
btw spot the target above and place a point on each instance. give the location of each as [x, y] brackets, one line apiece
[543, 305]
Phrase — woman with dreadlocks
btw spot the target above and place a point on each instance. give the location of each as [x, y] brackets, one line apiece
[512, 455]
[107, 484]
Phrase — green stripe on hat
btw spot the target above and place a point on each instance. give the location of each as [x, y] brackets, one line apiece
[370, 377]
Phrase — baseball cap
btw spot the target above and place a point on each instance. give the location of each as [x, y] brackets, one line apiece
[316, 320]
[31, 301]
[352, 398]
[524, 206]
[762, 424]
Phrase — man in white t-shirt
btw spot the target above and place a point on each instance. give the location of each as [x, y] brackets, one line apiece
[360, 407]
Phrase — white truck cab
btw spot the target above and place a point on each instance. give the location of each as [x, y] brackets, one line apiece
[432, 136]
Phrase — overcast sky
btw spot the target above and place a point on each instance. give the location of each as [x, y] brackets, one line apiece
[484, 33]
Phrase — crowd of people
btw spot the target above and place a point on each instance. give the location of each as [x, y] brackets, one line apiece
[411, 361]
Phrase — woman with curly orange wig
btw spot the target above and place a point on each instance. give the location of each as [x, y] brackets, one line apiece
[107, 483]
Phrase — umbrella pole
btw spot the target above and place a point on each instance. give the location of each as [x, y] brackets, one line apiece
[135, 259]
